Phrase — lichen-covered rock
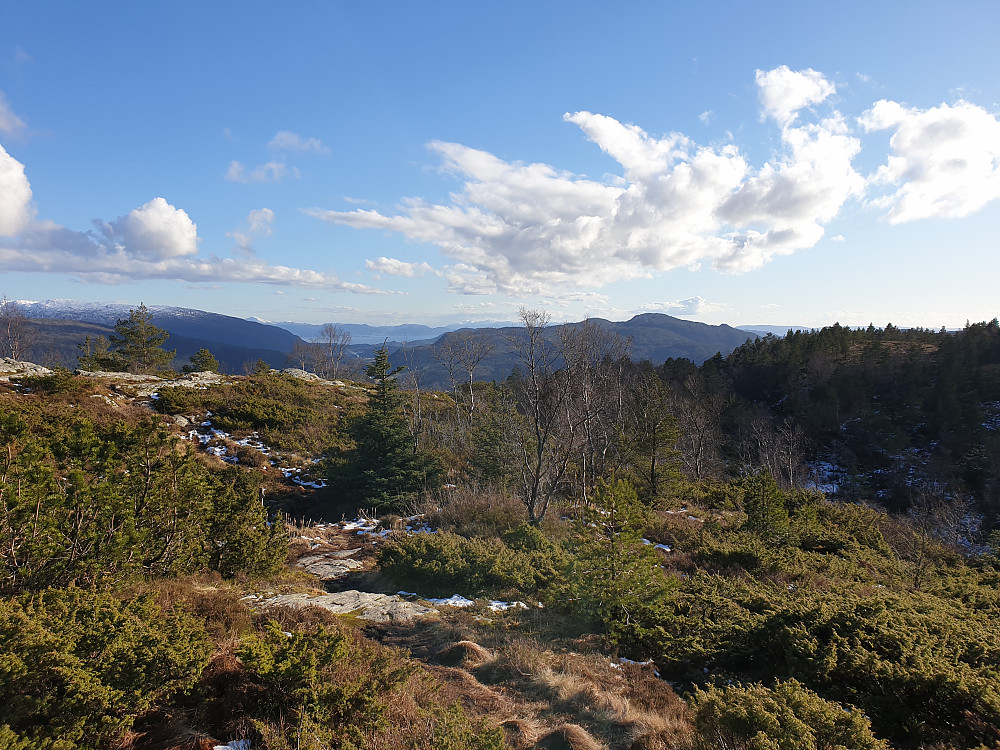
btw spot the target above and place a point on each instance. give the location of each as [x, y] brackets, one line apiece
[365, 606]
[13, 368]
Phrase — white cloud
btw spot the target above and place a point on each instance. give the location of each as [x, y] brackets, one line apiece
[838, 238]
[393, 267]
[686, 307]
[10, 124]
[260, 220]
[706, 117]
[272, 171]
[155, 241]
[945, 161]
[527, 229]
[783, 92]
[258, 223]
[286, 140]
[155, 231]
[15, 196]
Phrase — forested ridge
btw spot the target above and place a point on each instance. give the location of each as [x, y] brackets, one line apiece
[788, 547]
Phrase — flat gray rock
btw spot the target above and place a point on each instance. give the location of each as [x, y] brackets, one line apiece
[371, 607]
[328, 568]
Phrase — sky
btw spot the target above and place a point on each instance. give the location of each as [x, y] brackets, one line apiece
[778, 163]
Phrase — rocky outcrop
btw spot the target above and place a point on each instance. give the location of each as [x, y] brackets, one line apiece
[13, 368]
[365, 606]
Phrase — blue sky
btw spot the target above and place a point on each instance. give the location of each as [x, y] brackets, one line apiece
[776, 163]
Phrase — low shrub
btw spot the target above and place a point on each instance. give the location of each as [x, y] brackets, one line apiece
[786, 717]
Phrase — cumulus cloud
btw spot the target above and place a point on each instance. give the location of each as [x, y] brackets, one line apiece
[272, 171]
[393, 267]
[945, 161]
[286, 140]
[783, 92]
[10, 124]
[154, 241]
[689, 306]
[528, 228]
[15, 196]
[258, 223]
[153, 231]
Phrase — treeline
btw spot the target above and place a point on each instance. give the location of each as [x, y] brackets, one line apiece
[892, 413]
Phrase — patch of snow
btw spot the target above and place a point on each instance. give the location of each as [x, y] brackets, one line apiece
[455, 600]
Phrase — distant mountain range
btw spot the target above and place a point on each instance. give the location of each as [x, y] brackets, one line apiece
[653, 336]
[233, 341]
[62, 324]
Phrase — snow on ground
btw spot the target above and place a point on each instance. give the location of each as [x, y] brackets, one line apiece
[457, 600]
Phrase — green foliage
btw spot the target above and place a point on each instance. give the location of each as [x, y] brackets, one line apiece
[385, 467]
[454, 731]
[832, 606]
[288, 413]
[614, 578]
[245, 540]
[78, 666]
[138, 344]
[89, 503]
[202, 361]
[786, 717]
[521, 561]
[60, 381]
[96, 355]
[318, 682]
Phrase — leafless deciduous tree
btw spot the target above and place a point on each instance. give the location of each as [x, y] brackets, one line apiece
[540, 427]
[333, 342]
[699, 412]
[16, 333]
[461, 353]
[595, 375]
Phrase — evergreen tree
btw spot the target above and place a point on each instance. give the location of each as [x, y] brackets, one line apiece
[202, 361]
[139, 343]
[95, 354]
[384, 467]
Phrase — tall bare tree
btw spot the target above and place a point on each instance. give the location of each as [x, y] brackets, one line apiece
[16, 333]
[542, 425]
[461, 353]
[333, 341]
[595, 363]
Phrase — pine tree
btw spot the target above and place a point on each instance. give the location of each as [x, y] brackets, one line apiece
[384, 467]
[202, 361]
[139, 343]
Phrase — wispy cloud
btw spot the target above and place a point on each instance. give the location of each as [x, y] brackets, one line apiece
[286, 140]
[258, 223]
[272, 171]
[11, 125]
[393, 267]
[685, 307]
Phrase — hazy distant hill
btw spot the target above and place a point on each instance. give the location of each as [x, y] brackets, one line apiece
[362, 333]
[61, 324]
[654, 337]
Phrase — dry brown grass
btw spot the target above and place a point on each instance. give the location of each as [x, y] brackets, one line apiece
[465, 654]
[569, 737]
[472, 511]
